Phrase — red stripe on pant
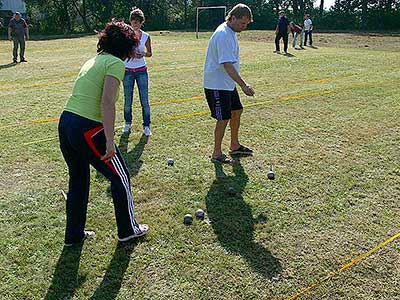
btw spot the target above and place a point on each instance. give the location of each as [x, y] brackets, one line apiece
[88, 137]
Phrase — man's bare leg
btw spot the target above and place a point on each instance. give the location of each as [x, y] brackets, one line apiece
[234, 125]
[219, 133]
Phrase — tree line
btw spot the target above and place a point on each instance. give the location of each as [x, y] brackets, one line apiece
[69, 16]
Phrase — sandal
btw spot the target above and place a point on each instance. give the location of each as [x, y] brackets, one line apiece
[242, 150]
[223, 159]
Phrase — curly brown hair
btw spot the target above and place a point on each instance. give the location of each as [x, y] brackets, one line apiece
[118, 39]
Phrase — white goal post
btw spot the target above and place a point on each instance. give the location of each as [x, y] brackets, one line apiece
[204, 8]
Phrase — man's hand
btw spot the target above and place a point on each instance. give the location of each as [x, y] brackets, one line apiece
[248, 90]
[110, 151]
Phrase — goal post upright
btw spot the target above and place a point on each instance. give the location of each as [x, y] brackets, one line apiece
[204, 8]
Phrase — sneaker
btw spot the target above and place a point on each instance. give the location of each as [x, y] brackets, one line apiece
[142, 230]
[147, 131]
[14, 61]
[126, 128]
[88, 235]
[23, 60]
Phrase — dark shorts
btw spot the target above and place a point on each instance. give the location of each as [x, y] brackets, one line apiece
[221, 103]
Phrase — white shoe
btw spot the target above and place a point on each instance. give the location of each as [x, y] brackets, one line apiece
[142, 230]
[146, 131]
[126, 128]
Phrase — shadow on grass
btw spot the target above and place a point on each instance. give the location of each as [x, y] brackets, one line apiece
[132, 158]
[233, 222]
[289, 55]
[112, 281]
[65, 278]
[7, 66]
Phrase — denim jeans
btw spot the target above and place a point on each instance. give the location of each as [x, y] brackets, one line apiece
[301, 34]
[306, 34]
[142, 80]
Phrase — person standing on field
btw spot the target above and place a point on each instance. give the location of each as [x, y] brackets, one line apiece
[221, 74]
[18, 32]
[136, 70]
[282, 32]
[308, 29]
[86, 133]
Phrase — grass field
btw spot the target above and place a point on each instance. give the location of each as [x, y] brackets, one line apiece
[326, 118]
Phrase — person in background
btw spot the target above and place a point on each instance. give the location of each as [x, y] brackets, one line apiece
[86, 134]
[308, 29]
[281, 31]
[18, 32]
[296, 30]
[136, 70]
[221, 73]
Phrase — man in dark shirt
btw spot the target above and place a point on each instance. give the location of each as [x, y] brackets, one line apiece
[281, 31]
[18, 33]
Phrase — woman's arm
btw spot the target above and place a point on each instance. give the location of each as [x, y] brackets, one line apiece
[108, 99]
[148, 52]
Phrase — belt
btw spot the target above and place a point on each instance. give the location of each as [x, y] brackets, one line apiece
[141, 69]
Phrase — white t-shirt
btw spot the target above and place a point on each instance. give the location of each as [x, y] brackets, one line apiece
[222, 47]
[134, 63]
[307, 24]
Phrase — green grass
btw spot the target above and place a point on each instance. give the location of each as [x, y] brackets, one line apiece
[326, 118]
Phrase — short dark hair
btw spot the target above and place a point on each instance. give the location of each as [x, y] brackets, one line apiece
[118, 39]
[239, 11]
[136, 14]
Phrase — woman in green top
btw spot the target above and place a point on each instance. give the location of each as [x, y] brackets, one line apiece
[86, 133]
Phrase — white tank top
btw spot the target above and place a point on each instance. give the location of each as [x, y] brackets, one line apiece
[134, 63]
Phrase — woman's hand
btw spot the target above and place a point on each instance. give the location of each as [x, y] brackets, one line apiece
[110, 152]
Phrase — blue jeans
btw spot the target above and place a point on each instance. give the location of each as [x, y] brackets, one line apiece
[306, 34]
[142, 80]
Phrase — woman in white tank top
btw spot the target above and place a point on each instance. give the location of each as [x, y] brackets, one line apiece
[136, 71]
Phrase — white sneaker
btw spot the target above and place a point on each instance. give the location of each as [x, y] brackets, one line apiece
[126, 128]
[147, 131]
[143, 229]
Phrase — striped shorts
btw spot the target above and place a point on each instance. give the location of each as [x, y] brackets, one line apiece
[221, 103]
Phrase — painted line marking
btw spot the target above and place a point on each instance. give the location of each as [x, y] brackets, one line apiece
[177, 101]
[184, 116]
[254, 104]
[36, 85]
[40, 141]
[346, 266]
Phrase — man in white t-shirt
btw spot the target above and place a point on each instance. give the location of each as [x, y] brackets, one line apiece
[221, 73]
[308, 28]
